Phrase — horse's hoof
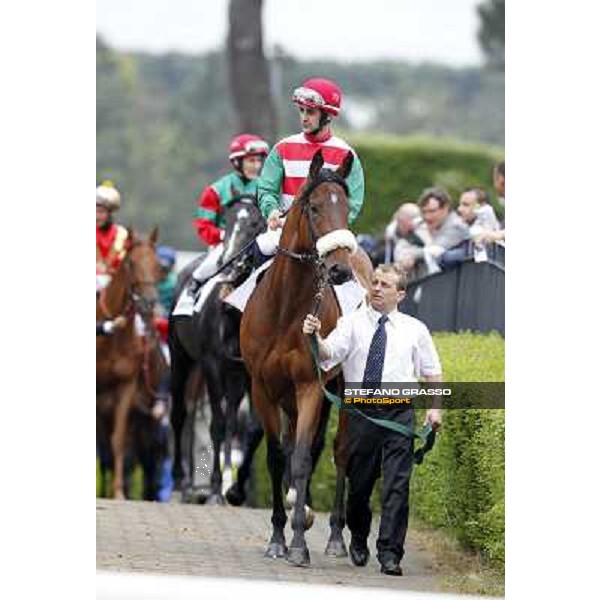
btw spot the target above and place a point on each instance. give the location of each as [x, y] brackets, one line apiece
[119, 495]
[276, 550]
[215, 500]
[291, 496]
[187, 497]
[309, 517]
[336, 548]
[235, 495]
[299, 557]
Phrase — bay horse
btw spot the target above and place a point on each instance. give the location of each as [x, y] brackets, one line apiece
[315, 247]
[209, 339]
[128, 364]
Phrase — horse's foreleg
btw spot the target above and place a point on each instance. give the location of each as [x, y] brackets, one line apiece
[217, 435]
[318, 445]
[337, 521]
[236, 494]
[125, 397]
[308, 400]
[234, 393]
[269, 416]
[180, 368]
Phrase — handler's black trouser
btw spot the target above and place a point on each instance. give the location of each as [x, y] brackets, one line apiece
[372, 448]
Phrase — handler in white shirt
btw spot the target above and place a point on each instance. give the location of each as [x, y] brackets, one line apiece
[407, 352]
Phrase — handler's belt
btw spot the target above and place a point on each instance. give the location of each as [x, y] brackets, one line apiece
[425, 434]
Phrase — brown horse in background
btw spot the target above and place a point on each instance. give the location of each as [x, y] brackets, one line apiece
[128, 365]
[315, 248]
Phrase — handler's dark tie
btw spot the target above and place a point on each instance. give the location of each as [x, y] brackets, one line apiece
[374, 366]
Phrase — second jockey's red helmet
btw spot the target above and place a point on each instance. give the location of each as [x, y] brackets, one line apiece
[319, 93]
[247, 144]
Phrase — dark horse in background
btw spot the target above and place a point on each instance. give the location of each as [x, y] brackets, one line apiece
[315, 249]
[209, 340]
[129, 368]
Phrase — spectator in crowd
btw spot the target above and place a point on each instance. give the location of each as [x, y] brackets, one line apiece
[499, 181]
[407, 229]
[445, 228]
[168, 279]
[489, 236]
[475, 210]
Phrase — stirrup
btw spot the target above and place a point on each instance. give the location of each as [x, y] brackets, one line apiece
[195, 286]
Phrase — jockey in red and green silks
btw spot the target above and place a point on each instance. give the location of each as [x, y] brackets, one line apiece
[286, 167]
[246, 153]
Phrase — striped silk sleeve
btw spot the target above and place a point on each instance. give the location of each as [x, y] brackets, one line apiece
[269, 184]
[356, 185]
[209, 208]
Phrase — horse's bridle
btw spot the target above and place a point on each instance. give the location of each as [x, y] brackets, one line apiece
[313, 257]
[324, 176]
[135, 302]
[241, 266]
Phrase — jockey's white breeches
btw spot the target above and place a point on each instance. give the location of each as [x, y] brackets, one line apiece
[268, 241]
[208, 266]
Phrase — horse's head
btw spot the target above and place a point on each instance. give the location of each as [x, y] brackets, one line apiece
[143, 272]
[324, 200]
[243, 222]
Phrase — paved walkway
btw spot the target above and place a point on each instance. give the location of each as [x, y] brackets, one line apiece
[224, 541]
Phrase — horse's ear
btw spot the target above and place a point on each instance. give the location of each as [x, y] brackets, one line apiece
[153, 237]
[344, 169]
[130, 238]
[316, 164]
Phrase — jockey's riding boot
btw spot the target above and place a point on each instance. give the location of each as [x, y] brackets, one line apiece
[258, 258]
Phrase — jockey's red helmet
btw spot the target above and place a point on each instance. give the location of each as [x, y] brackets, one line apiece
[319, 93]
[247, 144]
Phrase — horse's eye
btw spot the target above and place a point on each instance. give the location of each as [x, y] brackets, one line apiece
[314, 210]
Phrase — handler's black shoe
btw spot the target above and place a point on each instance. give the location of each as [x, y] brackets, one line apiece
[359, 553]
[391, 568]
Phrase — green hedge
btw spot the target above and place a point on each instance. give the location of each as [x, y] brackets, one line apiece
[398, 169]
[460, 487]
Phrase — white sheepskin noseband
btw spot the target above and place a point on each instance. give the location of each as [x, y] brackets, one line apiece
[340, 238]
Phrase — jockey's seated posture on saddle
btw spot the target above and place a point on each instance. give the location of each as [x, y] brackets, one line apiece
[246, 153]
[110, 237]
[286, 167]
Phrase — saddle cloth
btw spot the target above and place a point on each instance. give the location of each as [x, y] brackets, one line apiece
[186, 306]
[349, 294]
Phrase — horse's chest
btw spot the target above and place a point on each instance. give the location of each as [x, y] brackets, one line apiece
[118, 365]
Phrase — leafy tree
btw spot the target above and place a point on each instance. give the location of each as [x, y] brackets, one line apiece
[491, 32]
[249, 69]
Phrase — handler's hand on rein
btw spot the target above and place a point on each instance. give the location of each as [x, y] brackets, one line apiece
[434, 416]
[311, 324]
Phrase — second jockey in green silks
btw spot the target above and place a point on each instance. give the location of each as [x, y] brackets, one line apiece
[286, 167]
[246, 153]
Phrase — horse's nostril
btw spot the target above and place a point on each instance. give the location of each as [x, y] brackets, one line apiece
[339, 274]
